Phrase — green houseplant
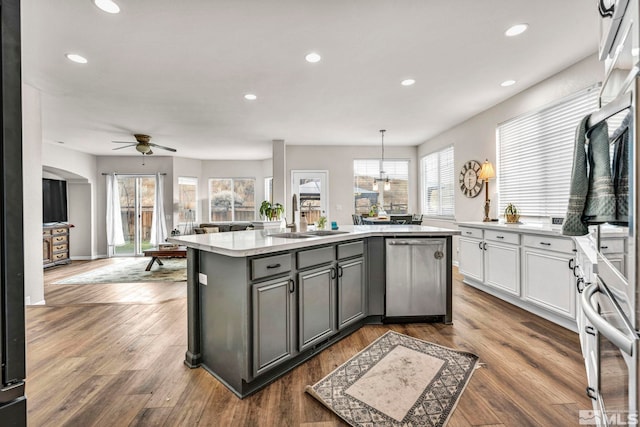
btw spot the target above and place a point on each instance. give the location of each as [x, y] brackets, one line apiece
[271, 211]
[511, 214]
[322, 222]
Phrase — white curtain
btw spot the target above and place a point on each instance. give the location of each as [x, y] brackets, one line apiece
[115, 236]
[158, 223]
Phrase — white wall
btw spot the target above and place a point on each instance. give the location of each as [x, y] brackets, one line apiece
[475, 139]
[32, 194]
[338, 160]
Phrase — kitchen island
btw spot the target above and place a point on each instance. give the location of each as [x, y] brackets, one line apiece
[260, 302]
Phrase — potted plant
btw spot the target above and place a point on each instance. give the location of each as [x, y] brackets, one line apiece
[322, 222]
[511, 214]
[271, 212]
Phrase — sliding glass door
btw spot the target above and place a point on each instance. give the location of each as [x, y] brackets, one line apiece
[137, 199]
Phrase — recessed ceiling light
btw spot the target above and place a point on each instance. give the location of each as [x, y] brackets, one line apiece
[76, 58]
[313, 57]
[516, 29]
[507, 83]
[250, 97]
[407, 82]
[107, 5]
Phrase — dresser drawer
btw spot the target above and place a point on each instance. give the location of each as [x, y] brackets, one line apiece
[59, 248]
[59, 239]
[501, 236]
[347, 250]
[549, 243]
[315, 256]
[46, 233]
[612, 246]
[269, 266]
[471, 232]
[61, 255]
[60, 231]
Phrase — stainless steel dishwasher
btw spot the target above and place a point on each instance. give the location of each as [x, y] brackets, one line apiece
[416, 279]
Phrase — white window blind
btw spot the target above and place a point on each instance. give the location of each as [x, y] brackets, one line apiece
[438, 191]
[535, 155]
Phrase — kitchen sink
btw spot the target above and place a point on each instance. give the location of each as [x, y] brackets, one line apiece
[325, 232]
[291, 235]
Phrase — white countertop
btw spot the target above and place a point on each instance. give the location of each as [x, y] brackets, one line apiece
[539, 228]
[255, 242]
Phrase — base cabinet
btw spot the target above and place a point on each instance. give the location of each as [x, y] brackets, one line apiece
[273, 326]
[55, 245]
[471, 257]
[317, 305]
[352, 302]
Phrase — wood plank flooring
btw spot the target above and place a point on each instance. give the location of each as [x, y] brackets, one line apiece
[112, 355]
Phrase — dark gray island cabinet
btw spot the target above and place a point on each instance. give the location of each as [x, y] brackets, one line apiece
[260, 305]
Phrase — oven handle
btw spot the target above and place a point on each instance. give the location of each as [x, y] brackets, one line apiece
[621, 341]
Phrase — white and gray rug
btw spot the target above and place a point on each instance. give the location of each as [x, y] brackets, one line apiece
[397, 381]
[132, 269]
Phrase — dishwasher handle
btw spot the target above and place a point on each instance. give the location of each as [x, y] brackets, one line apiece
[422, 242]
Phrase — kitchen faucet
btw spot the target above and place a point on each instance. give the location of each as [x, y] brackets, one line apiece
[294, 208]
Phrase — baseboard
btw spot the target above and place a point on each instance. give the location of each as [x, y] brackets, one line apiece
[27, 301]
[87, 257]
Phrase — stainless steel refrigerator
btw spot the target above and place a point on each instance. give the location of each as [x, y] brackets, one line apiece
[13, 403]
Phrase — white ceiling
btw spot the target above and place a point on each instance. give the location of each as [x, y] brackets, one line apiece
[178, 70]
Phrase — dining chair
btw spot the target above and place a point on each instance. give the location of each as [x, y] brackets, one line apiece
[416, 219]
[357, 219]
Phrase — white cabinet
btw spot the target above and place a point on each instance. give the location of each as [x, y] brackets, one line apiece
[547, 278]
[471, 259]
[528, 268]
[502, 261]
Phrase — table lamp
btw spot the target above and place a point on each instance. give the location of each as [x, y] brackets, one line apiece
[486, 173]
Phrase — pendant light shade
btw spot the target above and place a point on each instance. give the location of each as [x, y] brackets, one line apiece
[387, 184]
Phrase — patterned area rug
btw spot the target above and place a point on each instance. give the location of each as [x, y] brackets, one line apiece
[397, 381]
[126, 270]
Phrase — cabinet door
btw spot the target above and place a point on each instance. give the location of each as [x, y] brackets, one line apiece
[471, 261]
[272, 308]
[46, 250]
[548, 281]
[316, 305]
[351, 292]
[502, 267]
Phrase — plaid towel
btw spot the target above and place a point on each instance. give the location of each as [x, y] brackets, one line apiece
[620, 170]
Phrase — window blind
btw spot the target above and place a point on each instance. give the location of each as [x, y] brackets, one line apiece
[438, 191]
[535, 155]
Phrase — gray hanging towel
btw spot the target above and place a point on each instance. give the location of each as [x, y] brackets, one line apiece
[591, 196]
[620, 170]
[601, 199]
[573, 224]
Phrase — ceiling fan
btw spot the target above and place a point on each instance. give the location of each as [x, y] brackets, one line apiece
[142, 145]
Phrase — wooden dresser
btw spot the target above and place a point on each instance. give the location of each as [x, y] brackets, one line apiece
[55, 245]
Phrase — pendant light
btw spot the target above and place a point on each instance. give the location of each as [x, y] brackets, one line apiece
[387, 184]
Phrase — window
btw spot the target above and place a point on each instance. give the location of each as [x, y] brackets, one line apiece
[535, 155]
[268, 189]
[232, 199]
[438, 190]
[395, 200]
[187, 200]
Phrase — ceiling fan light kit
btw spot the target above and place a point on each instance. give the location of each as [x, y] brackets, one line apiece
[143, 146]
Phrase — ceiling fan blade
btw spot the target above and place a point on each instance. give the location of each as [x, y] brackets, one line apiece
[124, 142]
[125, 146]
[164, 148]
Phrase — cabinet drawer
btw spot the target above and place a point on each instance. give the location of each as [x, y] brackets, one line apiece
[612, 246]
[268, 266]
[60, 231]
[550, 243]
[316, 256]
[46, 232]
[61, 255]
[59, 239]
[59, 248]
[471, 232]
[347, 250]
[501, 236]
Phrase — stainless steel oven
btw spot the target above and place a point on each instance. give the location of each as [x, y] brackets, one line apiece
[606, 304]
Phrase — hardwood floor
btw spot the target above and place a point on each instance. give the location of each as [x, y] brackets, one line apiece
[112, 355]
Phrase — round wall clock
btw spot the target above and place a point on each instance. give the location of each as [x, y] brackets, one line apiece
[470, 184]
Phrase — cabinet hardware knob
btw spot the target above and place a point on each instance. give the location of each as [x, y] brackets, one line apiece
[604, 247]
[292, 286]
[591, 393]
[590, 330]
[499, 237]
[340, 271]
[580, 285]
[438, 254]
[545, 243]
[484, 246]
[333, 273]
[480, 245]
[273, 266]
[468, 232]
[572, 265]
